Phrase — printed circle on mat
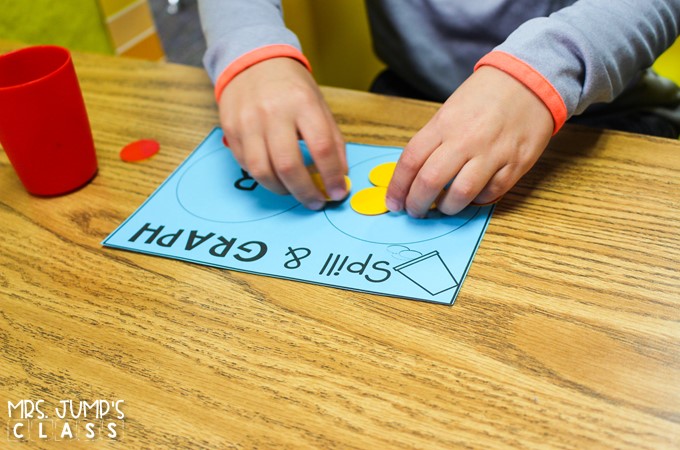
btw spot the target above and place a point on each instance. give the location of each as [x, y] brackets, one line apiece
[215, 188]
[390, 228]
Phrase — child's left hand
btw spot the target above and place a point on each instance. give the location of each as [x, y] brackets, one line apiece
[488, 134]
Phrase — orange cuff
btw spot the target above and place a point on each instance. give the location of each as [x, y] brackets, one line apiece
[532, 79]
[253, 57]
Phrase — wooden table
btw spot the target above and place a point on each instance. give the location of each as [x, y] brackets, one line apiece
[566, 333]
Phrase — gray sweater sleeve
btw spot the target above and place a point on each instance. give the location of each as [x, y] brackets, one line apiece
[235, 27]
[588, 52]
[592, 50]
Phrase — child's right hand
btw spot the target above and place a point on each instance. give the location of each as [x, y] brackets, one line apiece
[264, 110]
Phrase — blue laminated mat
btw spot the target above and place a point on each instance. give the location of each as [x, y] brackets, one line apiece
[209, 211]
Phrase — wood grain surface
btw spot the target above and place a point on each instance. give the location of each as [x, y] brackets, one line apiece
[566, 333]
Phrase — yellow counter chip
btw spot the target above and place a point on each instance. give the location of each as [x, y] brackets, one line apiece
[382, 174]
[370, 201]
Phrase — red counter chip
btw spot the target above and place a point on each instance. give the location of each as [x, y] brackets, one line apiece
[139, 150]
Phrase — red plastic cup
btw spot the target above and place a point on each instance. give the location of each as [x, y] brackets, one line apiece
[44, 127]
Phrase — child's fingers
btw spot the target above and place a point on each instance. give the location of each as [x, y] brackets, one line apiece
[327, 149]
[256, 158]
[236, 147]
[232, 135]
[336, 135]
[289, 167]
[339, 142]
[416, 152]
[468, 183]
[439, 169]
[499, 184]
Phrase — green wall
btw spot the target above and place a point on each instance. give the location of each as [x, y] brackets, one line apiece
[75, 24]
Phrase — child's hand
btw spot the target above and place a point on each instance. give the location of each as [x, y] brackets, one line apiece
[487, 135]
[264, 110]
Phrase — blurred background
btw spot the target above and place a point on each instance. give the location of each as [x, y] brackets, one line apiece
[334, 33]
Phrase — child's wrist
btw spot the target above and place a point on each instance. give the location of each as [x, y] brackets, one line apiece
[256, 56]
[533, 80]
